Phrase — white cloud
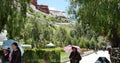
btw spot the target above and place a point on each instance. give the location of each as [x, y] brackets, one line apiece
[52, 8]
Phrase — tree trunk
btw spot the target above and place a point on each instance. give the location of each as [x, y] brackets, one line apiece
[114, 37]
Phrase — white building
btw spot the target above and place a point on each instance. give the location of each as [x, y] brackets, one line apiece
[57, 13]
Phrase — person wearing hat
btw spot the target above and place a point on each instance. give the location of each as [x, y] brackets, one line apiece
[5, 56]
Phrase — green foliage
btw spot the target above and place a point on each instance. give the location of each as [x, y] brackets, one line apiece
[30, 30]
[39, 34]
[34, 56]
[61, 35]
[102, 16]
[93, 44]
[83, 42]
[12, 16]
[34, 32]
[50, 56]
[30, 56]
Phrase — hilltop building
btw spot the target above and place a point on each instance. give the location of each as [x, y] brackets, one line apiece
[45, 9]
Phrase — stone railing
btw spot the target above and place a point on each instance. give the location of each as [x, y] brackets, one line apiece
[115, 56]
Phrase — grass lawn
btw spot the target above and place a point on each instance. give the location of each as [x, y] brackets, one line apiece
[64, 56]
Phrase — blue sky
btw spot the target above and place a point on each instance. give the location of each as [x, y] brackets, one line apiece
[55, 4]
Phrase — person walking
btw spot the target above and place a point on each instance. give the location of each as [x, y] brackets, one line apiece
[16, 54]
[5, 56]
[109, 49]
[75, 56]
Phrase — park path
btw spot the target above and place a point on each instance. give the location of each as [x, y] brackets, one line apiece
[94, 56]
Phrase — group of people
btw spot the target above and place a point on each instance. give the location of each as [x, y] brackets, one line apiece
[15, 56]
[11, 57]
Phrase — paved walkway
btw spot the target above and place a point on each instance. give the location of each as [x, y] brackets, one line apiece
[93, 57]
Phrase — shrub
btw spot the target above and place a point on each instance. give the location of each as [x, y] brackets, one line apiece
[34, 56]
[50, 56]
[30, 56]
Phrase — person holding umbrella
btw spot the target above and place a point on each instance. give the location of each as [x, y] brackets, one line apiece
[75, 56]
[9, 43]
[16, 54]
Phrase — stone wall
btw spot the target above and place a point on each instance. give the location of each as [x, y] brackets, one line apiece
[115, 56]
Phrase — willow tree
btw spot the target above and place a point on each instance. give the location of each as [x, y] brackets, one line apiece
[12, 16]
[102, 16]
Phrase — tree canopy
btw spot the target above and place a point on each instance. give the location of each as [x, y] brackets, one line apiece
[102, 16]
[12, 16]
[35, 29]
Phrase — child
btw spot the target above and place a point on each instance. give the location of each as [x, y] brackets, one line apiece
[5, 56]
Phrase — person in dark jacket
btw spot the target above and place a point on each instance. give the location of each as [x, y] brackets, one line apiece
[5, 56]
[16, 54]
[75, 56]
